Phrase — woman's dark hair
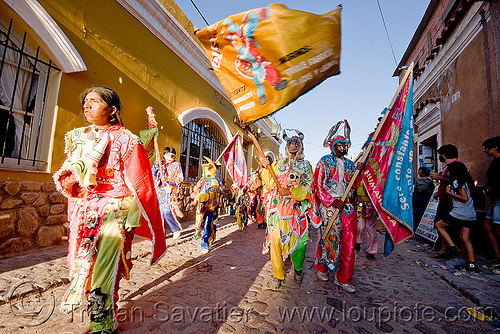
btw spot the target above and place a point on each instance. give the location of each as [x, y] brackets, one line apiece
[169, 149]
[110, 97]
[459, 172]
[426, 171]
[449, 151]
[492, 142]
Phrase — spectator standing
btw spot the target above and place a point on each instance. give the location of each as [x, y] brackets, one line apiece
[491, 224]
[424, 187]
[446, 154]
[462, 215]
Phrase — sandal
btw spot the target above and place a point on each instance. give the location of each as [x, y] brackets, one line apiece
[438, 255]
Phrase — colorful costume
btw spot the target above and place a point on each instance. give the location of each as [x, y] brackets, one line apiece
[113, 167]
[167, 191]
[241, 201]
[332, 176]
[287, 216]
[207, 195]
[367, 221]
[256, 205]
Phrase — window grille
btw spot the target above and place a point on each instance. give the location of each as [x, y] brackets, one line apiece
[24, 81]
[200, 138]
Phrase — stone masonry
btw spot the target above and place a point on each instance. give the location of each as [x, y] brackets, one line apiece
[32, 214]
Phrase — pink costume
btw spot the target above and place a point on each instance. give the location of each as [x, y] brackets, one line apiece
[113, 167]
[332, 176]
[367, 221]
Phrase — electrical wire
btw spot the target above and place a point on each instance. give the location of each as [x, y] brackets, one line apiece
[386, 32]
[196, 7]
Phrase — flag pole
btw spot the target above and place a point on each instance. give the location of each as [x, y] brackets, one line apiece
[262, 156]
[227, 146]
[153, 124]
[367, 151]
[158, 161]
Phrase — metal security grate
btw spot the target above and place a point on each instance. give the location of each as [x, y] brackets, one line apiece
[24, 81]
[199, 138]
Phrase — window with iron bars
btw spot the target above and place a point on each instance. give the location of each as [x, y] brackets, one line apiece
[24, 82]
[200, 138]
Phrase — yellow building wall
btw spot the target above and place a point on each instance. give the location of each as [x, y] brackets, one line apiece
[121, 53]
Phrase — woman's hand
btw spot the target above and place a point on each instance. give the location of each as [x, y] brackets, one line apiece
[338, 204]
[435, 176]
[70, 185]
[361, 166]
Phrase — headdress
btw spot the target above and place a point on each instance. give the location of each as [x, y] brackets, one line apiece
[299, 137]
[209, 170]
[332, 138]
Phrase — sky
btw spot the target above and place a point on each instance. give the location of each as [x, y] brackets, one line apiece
[365, 85]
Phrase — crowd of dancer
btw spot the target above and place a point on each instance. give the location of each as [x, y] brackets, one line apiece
[114, 193]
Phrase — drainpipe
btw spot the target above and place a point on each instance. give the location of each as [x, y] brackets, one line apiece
[489, 89]
[495, 23]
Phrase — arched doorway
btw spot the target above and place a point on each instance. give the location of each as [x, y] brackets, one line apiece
[200, 137]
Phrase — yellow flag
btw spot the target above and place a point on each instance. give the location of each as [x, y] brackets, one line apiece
[267, 57]
[147, 138]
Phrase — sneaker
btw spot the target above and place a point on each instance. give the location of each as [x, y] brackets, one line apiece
[349, 288]
[357, 247]
[176, 235]
[370, 256]
[322, 276]
[275, 284]
[494, 264]
[469, 266]
[298, 276]
[205, 250]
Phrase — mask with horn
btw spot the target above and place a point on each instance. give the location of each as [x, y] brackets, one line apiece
[294, 144]
[338, 144]
[209, 169]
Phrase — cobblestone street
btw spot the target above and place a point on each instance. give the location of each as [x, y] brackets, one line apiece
[226, 291]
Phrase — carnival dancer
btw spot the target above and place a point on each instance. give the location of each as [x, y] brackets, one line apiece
[167, 189]
[256, 204]
[332, 176]
[206, 195]
[107, 180]
[241, 208]
[367, 222]
[289, 204]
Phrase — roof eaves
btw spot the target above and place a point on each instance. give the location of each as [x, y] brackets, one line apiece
[416, 36]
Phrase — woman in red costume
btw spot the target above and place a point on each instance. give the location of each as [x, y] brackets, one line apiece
[107, 180]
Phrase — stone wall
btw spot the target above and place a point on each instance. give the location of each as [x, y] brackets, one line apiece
[32, 214]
